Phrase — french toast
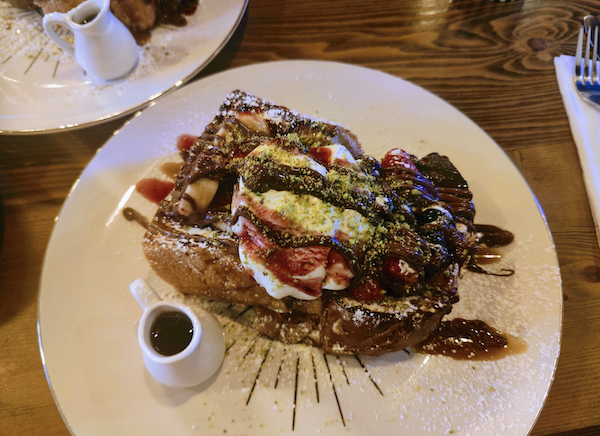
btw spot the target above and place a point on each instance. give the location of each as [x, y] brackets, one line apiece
[334, 249]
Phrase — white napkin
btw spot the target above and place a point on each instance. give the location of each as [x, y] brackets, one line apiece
[585, 126]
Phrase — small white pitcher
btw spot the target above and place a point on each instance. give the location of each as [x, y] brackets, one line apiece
[103, 46]
[198, 361]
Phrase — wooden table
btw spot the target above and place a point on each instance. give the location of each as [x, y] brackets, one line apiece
[493, 61]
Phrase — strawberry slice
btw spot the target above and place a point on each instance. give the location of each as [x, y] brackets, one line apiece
[368, 290]
[302, 268]
[323, 155]
[338, 274]
[332, 154]
[399, 269]
[154, 190]
[185, 142]
[397, 157]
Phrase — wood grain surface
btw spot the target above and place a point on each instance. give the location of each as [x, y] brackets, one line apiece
[493, 61]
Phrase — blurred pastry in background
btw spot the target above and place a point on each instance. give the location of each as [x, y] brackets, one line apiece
[140, 16]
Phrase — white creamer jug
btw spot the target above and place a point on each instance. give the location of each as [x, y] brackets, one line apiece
[196, 360]
[102, 45]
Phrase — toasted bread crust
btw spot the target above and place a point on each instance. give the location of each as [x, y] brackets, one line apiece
[203, 268]
[337, 324]
[349, 326]
[210, 266]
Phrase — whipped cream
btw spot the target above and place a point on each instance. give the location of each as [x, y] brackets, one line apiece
[299, 215]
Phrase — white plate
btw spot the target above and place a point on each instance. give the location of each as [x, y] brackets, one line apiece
[87, 319]
[43, 90]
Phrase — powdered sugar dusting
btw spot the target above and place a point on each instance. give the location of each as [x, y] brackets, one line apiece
[23, 35]
[409, 393]
[270, 111]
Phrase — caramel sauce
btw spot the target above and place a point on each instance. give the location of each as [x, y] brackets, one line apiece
[141, 38]
[170, 169]
[486, 256]
[171, 333]
[470, 340]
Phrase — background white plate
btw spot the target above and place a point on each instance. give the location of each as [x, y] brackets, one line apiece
[42, 89]
[88, 320]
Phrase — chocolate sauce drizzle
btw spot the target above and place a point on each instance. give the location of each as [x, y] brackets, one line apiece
[429, 240]
[263, 176]
[171, 12]
[131, 214]
[285, 240]
[504, 272]
[470, 339]
[492, 236]
[421, 209]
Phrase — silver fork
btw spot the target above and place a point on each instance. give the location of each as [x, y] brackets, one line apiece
[586, 68]
[589, 22]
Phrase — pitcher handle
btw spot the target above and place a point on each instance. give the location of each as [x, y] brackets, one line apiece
[51, 20]
[143, 293]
